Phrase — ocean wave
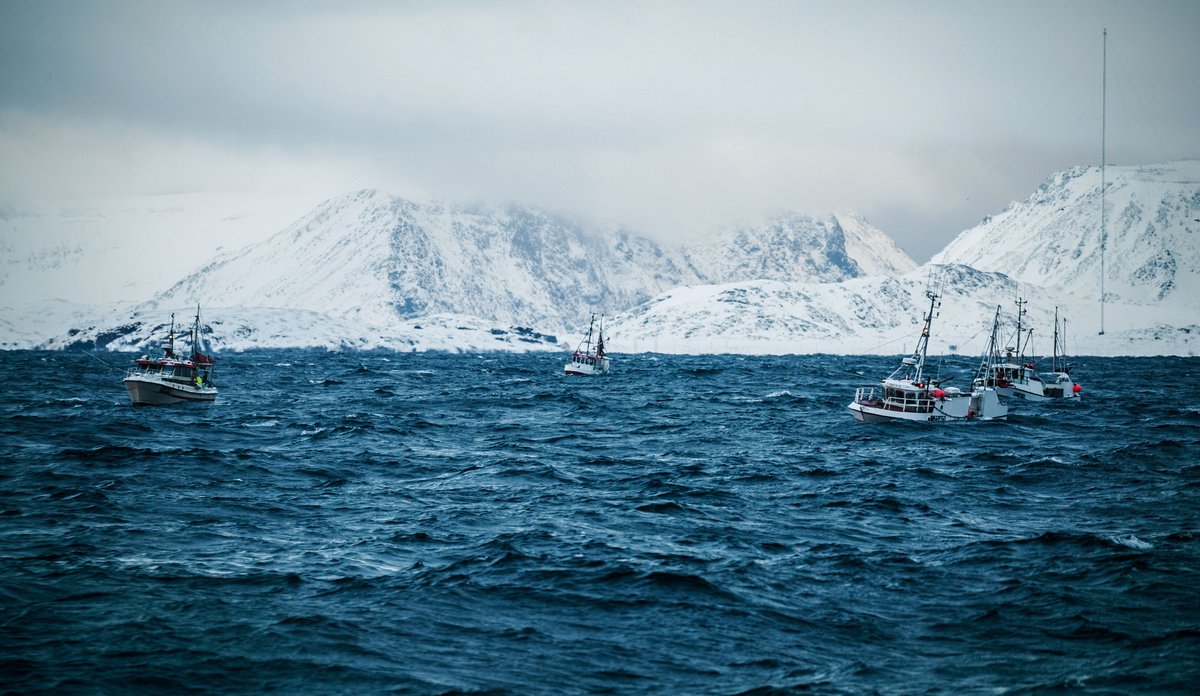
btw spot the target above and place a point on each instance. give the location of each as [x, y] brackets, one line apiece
[340, 523]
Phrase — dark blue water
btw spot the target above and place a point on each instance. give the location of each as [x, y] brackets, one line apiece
[428, 523]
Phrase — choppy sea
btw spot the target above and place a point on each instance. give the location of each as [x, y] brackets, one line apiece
[431, 523]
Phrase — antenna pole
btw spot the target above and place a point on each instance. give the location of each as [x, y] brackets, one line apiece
[1103, 160]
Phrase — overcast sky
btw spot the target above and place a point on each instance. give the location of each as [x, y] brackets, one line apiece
[674, 118]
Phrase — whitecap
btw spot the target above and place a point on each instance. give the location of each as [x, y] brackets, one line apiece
[1132, 542]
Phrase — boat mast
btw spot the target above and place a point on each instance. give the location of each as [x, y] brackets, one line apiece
[1020, 313]
[923, 342]
[196, 333]
[1103, 159]
[170, 347]
[992, 354]
[600, 341]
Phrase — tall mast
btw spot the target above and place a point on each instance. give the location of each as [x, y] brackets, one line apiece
[1054, 354]
[1103, 159]
[1020, 313]
[600, 339]
[923, 342]
[992, 353]
[170, 347]
[196, 333]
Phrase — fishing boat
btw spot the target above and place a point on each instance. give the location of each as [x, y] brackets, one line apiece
[1058, 382]
[1011, 374]
[173, 377]
[590, 358]
[909, 395]
[1015, 376]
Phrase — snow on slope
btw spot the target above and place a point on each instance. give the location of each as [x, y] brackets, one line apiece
[314, 265]
[358, 271]
[873, 252]
[795, 247]
[882, 316]
[381, 260]
[371, 262]
[1053, 238]
[377, 259]
[1045, 249]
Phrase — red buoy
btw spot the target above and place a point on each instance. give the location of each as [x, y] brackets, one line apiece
[1076, 388]
[939, 393]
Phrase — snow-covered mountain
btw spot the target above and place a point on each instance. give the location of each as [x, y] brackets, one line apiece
[380, 260]
[373, 270]
[1053, 238]
[883, 315]
[794, 247]
[1045, 249]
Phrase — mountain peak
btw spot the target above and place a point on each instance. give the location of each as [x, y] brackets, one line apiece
[1150, 237]
[373, 257]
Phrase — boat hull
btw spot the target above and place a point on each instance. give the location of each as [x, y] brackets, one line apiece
[1039, 391]
[147, 391]
[585, 369]
[874, 414]
[979, 405]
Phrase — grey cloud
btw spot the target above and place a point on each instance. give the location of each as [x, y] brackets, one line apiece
[677, 115]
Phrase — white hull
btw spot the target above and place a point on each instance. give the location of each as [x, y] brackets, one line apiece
[982, 404]
[147, 390]
[875, 414]
[587, 369]
[1037, 390]
[906, 395]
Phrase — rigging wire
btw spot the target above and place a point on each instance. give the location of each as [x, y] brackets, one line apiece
[108, 364]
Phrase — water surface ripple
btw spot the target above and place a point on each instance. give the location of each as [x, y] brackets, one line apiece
[432, 523]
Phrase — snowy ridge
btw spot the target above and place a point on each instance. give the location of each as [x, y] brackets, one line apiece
[382, 260]
[1152, 247]
[378, 259]
[873, 252]
[371, 270]
[794, 247]
[883, 316]
[1045, 250]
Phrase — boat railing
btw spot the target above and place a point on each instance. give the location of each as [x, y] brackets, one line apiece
[910, 402]
[168, 370]
[866, 395]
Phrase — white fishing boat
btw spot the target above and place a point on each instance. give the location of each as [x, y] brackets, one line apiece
[1011, 375]
[1058, 382]
[172, 378]
[1016, 377]
[909, 395]
[590, 357]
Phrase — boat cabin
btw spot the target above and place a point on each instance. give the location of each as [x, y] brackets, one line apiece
[907, 397]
